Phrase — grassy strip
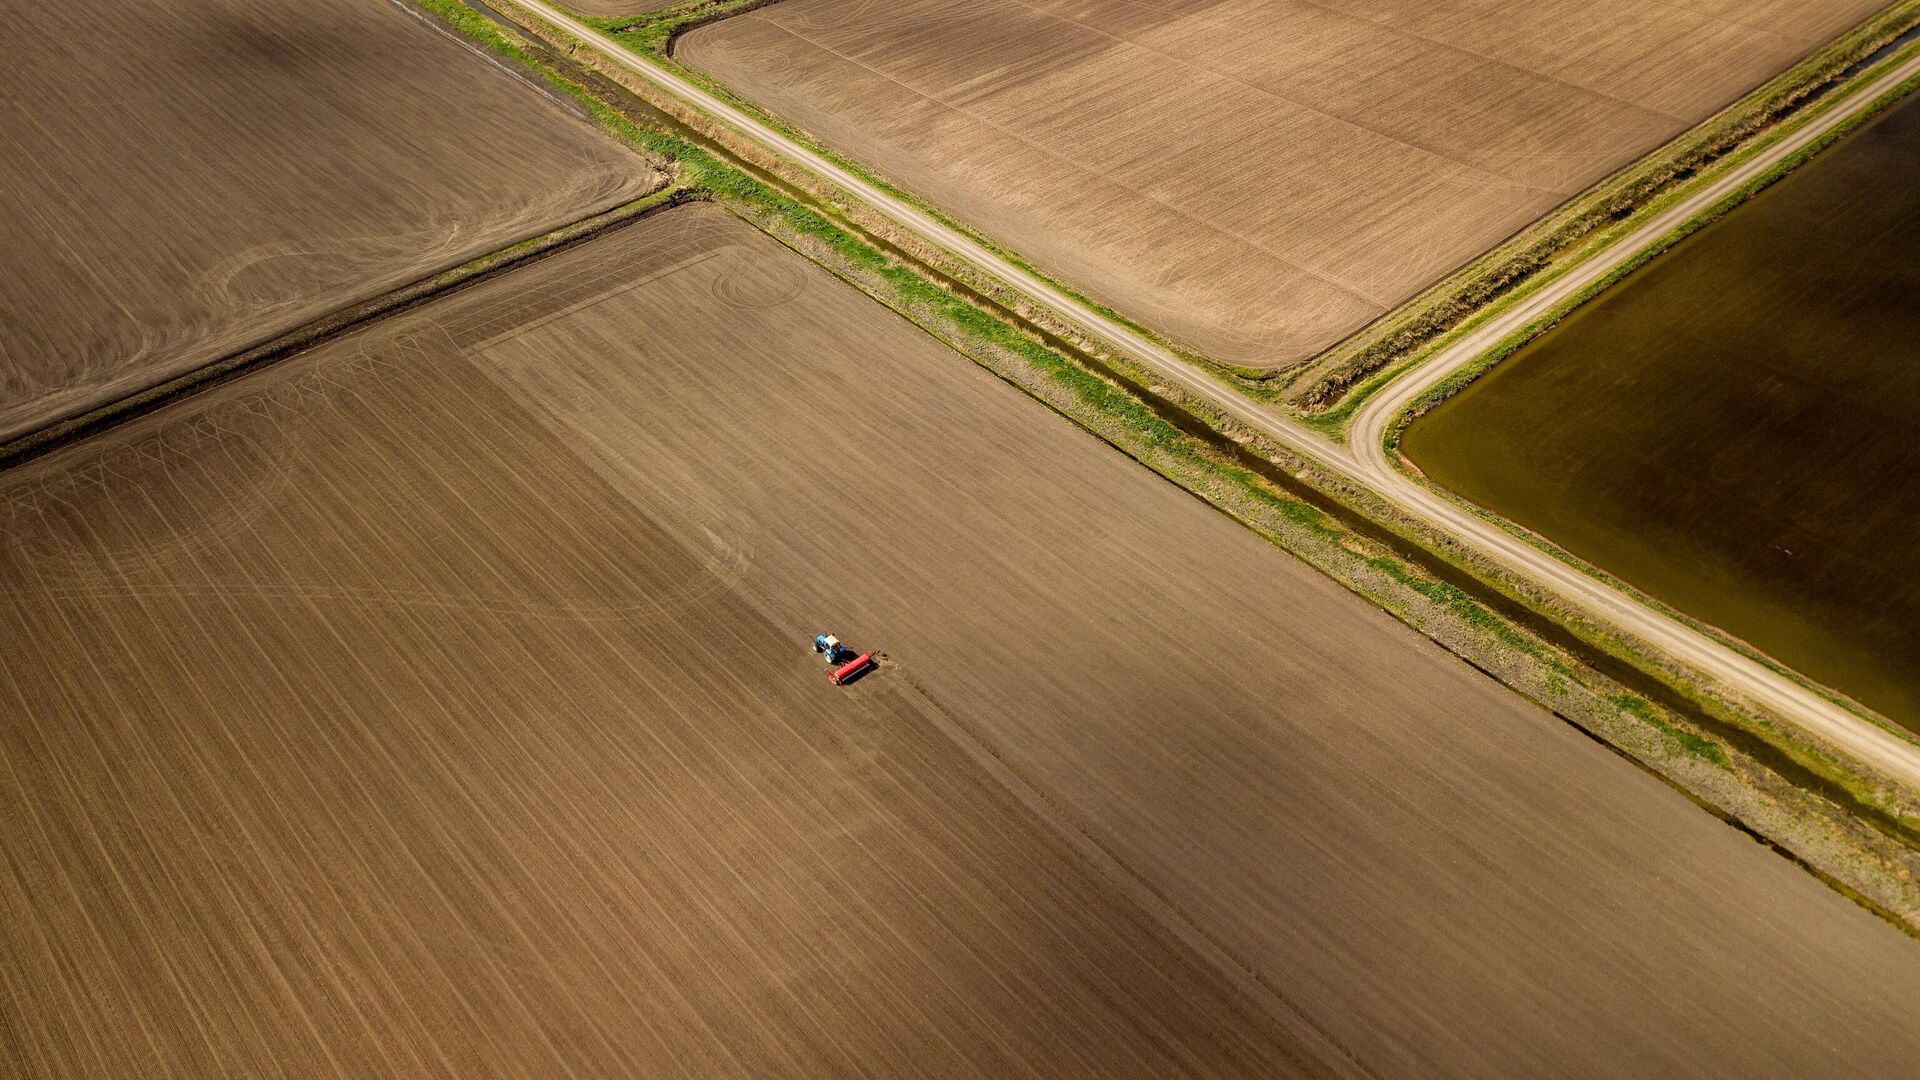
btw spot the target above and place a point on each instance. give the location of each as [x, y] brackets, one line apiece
[1445, 305]
[1518, 261]
[1122, 408]
[1847, 789]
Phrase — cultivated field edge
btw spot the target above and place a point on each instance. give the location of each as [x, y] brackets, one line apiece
[341, 321]
[1334, 420]
[653, 35]
[1320, 383]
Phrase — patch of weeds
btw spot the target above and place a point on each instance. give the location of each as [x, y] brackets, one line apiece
[1687, 741]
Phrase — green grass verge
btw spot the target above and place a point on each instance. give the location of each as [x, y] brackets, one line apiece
[1333, 422]
[1327, 401]
[1517, 340]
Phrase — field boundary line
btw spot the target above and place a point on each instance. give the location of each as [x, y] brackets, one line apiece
[627, 285]
[1325, 385]
[340, 322]
[518, 75]
[1623, 692]
[1754, 112]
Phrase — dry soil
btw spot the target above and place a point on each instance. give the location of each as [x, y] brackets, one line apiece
[1253, 178]
[615, 8]
[183, 180]
[441, 700]
[354, 727]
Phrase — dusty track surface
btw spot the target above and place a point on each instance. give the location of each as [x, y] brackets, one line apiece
[353, 725]
[494, 730]
[185, 180]
[1253, 178]
[1893, 754]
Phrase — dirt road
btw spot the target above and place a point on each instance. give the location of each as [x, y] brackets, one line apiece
[1895, 753]
[1735, 427]
[1363, 459]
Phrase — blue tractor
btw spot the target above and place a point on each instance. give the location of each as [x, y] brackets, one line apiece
[836, 653]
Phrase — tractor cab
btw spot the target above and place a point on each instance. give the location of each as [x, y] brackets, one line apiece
[830, 646]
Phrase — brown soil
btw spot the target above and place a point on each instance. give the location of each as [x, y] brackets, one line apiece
[615, 8]
[185, 180]
[354, 727]
[1253, 179]
[439, 702]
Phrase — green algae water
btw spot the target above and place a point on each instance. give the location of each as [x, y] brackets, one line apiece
[1735, 428]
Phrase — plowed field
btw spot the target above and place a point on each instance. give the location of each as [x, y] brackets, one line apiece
[1253, 178]
[354, 727]
[184, 180]
[438, 702]
[607, 8]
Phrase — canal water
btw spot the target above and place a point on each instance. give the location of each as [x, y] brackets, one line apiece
[1735, 428]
